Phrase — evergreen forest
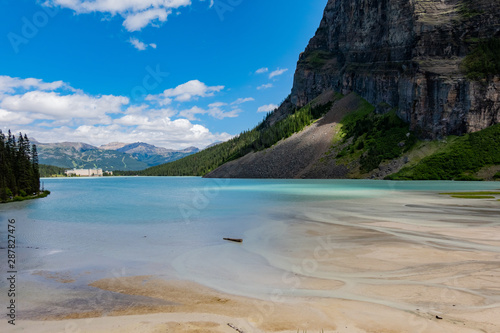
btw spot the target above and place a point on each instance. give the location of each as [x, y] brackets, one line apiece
[19, 173]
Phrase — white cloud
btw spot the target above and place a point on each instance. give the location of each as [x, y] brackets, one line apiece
[137, 115]
[190, 114]
[135, 109]
[265, 86]
[132, 120]
[277, 72]
[267, 108]
[137, 14]
[137, 21]
[262, 70]
[218, 113]
[242, 100]
[140, 45]
[188, 91]
[177, 134]
[217, 105]
[159, 99]
[53, 105]
[11, 84]
[17, 118]
[116, 6]
[55, 112]
[215, 110]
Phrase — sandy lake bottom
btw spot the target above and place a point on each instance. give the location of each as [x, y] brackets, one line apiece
[337, 256]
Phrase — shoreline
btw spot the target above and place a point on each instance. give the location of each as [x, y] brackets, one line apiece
[196, 308]
[40, 195]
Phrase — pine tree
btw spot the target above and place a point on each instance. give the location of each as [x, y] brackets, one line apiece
[36, 170]
[23, 167]
[10, 157]
[3, 167]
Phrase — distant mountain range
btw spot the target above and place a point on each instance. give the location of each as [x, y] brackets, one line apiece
[110, 157]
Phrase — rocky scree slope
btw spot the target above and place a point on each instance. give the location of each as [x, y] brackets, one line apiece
[298, 156]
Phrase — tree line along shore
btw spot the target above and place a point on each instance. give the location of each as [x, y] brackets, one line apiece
[19, 169]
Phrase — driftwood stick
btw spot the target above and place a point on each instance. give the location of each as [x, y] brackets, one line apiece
[237, 240]
[235, 328]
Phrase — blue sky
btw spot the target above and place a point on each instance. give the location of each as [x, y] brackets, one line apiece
[174, 73]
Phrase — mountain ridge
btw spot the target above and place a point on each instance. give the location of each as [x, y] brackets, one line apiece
[127, 157]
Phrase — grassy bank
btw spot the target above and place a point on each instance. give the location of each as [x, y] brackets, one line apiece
[41, 194]
[459, 160]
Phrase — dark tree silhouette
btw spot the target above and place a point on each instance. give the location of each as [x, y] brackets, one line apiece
[19, 175]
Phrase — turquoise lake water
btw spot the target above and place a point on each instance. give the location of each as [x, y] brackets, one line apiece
[93, 228]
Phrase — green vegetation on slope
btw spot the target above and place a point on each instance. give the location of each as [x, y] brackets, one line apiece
[460, 160]
[466, 10]
[261, 137]
[51, 171]
[316, 59]
[70, 158]
[484, 60]
[375, 138]
[153, 159]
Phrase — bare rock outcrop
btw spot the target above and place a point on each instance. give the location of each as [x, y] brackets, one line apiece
[407, 54]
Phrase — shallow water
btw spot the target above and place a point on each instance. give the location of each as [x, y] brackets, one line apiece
[89, 229]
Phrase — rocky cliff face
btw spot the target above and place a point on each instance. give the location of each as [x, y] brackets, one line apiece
[405, 54]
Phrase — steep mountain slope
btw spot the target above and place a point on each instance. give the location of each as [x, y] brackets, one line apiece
[408, 55]
[300, 155]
